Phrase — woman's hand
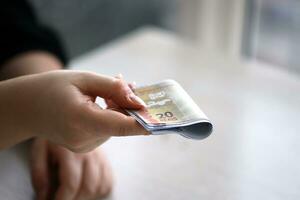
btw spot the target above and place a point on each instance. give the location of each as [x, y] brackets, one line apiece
[63, 175]
[60, 106]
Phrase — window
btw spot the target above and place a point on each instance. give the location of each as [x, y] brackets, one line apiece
[272, 32]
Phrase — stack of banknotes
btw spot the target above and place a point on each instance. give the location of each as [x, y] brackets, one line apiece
[171, 110]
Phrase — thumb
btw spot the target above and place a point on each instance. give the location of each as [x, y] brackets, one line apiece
[113, 123]
[111, 88]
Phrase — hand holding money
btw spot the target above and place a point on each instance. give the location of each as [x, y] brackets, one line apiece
[60, 106]
[170, 110]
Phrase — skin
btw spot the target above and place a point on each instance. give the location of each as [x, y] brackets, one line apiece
[58, 173]
[57, 110]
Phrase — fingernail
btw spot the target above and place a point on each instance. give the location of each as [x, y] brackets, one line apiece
[137, 100]
[132, 86]
[120, 76]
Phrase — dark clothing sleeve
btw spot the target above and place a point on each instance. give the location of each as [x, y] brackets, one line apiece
[21, 32]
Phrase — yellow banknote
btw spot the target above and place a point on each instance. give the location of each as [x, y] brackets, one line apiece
[169, 107]
[167, 103]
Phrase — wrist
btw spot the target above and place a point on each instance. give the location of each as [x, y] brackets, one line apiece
[14, 115]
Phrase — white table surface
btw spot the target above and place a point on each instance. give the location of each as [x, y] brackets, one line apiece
[253, 152]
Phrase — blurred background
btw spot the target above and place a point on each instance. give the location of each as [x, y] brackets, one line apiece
[266, 30]
[253, 152]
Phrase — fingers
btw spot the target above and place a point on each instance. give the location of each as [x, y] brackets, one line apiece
[112, 105]
[69, 176]
[97, 177]
[112, 123]
[106, 182]
[109, 88]
[39, 169]
[82, 176]
[132, 85]
[116, 93]
[89, 183]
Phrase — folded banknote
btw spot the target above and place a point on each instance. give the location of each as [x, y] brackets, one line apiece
[171, 110]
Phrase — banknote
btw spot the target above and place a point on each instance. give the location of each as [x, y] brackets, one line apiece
[171, 110]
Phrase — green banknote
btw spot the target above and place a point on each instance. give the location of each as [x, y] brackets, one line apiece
[171, 110]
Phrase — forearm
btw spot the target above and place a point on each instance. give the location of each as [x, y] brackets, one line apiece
[12, 130]
[13, 102]
[29, 63]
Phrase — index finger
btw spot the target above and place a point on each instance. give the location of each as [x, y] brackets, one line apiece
[109, 88]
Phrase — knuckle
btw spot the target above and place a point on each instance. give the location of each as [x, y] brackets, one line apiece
[120, 86]
[89, 189]
[71, 186]
[105, 190]
[118, 83]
